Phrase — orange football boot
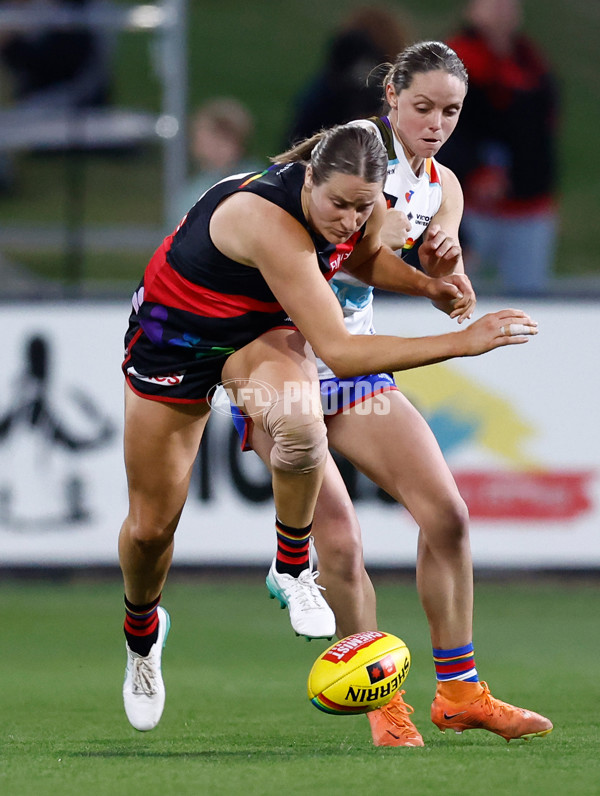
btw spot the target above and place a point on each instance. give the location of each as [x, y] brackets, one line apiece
[462, 706]
[391, 725]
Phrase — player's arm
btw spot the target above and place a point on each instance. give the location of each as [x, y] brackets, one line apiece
[440, 254]
[376, 264]
[287, 260]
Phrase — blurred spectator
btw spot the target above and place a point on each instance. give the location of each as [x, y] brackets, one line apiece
[504, 148]
[220, 133]
[53, 69]
[345, 88]
[57, 68]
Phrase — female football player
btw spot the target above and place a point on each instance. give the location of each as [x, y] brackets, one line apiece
[424, 90]
[215, 304]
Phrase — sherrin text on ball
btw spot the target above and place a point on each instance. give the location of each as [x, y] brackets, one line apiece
[358, 673]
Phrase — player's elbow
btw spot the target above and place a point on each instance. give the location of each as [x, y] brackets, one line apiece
[342, 365]
[347, 354]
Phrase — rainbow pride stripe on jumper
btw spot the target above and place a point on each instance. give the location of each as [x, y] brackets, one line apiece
[254, 177]
[432, 172]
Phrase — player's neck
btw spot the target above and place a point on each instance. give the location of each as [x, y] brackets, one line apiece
[414, 161]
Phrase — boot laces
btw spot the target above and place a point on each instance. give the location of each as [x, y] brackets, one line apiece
[398, 712]
[490, 704]
[305, 586]
[307, 590]
[144, 676]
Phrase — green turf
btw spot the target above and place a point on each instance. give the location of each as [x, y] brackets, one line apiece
[237, 718]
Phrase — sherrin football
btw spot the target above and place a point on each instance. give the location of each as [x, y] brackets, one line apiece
[359, 673]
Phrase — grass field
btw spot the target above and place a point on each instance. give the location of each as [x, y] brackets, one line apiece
[237, 719]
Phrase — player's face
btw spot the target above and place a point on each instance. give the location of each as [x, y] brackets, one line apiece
[338, 207]
[424, 115]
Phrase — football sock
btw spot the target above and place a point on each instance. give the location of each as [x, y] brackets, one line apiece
[456, 664]
[141, 626]
[292, 549]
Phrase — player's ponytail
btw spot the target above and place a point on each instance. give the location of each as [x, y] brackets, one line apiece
[346, 149]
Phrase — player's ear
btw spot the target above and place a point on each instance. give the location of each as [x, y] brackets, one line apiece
[308, 178]
[391, 96]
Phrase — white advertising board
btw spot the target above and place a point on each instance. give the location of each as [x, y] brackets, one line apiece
[519, 427]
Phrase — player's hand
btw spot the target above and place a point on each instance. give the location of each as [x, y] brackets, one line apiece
[395, 229]
[463, 304]
[496, 329]
[439, 254]
[442, 290]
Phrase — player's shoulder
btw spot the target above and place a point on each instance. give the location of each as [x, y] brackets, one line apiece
[452, 199]
[380, 126]
[368, 124]
[446, 177]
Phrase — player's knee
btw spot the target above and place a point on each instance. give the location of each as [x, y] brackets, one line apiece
[299, 433]
[148, 536]
[449, 530]
[458, 520]
[343, 561]
[339, 544]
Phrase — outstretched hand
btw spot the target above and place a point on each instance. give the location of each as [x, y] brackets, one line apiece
[496, 329]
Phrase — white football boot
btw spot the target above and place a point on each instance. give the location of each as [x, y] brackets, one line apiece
[143, 688]
[310, 615]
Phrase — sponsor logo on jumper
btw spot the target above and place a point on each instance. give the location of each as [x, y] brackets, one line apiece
[408, 195]
[338, 257]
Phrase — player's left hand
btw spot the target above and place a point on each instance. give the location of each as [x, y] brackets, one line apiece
[439, 254]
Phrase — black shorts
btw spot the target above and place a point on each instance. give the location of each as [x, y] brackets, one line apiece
[158, 373]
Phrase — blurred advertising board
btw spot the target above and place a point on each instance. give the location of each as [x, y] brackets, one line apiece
[519, 427]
